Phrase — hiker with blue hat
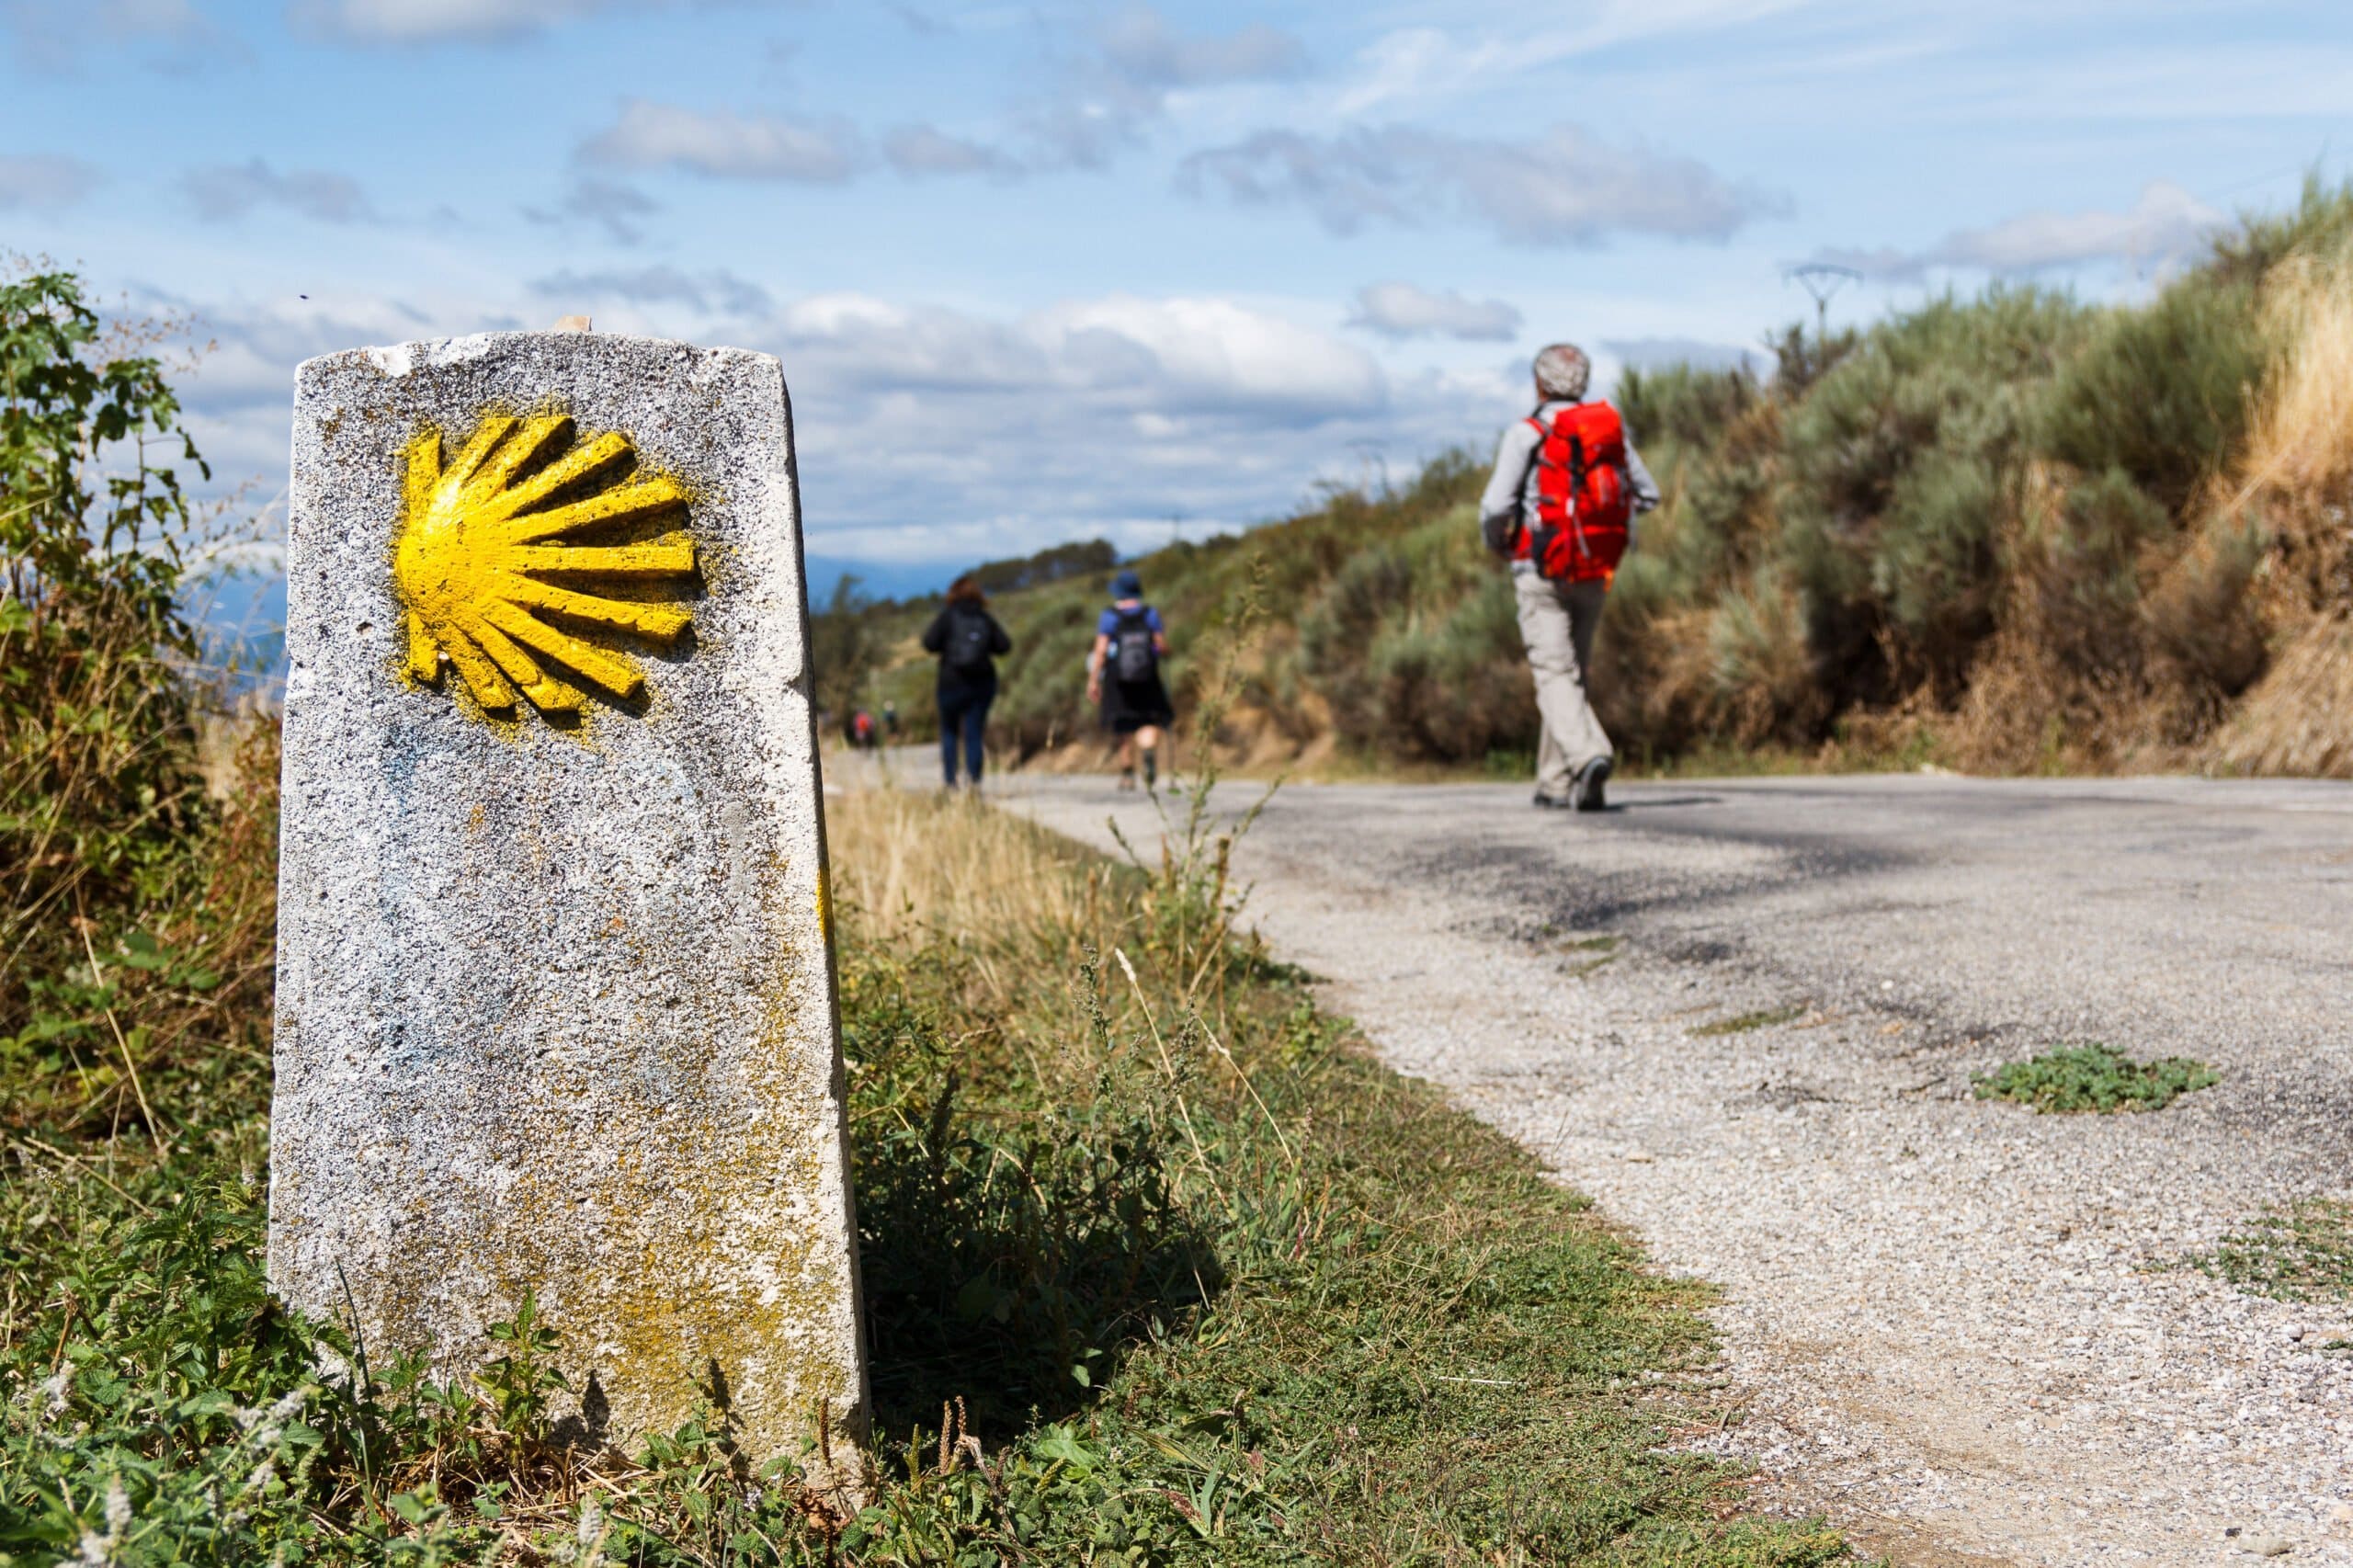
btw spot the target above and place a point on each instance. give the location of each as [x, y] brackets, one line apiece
[1123, 674]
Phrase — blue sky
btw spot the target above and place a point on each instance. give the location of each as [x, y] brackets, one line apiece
[1045, 271]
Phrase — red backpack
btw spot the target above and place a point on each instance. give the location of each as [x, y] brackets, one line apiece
[1583, 504]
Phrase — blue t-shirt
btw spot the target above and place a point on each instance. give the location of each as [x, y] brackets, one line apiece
[1108, 626]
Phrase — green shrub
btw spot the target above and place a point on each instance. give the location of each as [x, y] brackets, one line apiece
[1905, 463]
[1682, 406]
[95, 792]
[2161, 393]
[2202, 616]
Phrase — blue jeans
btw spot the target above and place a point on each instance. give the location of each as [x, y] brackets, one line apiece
[963, 712]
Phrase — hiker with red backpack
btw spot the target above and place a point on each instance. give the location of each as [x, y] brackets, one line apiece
[1123, 674]
[1560, 508]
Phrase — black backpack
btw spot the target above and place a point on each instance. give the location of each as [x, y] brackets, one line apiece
[970, 642]
[1133, 658]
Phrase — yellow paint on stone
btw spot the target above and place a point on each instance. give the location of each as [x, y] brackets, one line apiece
[481, 534]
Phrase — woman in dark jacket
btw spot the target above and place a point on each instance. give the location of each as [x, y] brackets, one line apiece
[968, 641]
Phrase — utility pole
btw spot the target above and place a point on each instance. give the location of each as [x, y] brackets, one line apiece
[1822, 279]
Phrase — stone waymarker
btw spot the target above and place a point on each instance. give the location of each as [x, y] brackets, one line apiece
[555, 1006]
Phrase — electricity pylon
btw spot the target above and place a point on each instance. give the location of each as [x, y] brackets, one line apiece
[1822, 279]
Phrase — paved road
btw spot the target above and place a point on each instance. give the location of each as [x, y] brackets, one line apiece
[1966, 1330]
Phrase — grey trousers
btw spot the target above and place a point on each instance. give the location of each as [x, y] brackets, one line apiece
[1557, 621]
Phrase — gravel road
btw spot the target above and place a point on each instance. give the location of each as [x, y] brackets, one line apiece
[1964, 1331]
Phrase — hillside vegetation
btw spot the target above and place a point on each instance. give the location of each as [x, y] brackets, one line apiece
[2011, 532]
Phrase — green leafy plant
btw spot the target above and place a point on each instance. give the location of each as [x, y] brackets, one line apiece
[2094, 1078]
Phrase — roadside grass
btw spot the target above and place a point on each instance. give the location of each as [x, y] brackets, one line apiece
[2297, 1252]
[1764, 1019]
[2096, 1078]
[1162, 1268]
[1401, 1344]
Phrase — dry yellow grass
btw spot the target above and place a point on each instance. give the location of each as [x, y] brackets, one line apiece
[2298, 476]
[907, 862]
[2302, 443]
[2299, 718]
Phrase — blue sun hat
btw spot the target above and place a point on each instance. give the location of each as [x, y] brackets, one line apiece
[1127, 586]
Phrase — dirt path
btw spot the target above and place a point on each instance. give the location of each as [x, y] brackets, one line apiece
[1963, 1329]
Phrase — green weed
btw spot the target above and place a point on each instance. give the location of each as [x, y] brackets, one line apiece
[2094, 1078]
[2300, 1252]
[1766, 1018]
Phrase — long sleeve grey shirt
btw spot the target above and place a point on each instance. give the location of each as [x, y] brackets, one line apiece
[1511, 493]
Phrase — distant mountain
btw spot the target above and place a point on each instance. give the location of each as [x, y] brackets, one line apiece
[876, 579]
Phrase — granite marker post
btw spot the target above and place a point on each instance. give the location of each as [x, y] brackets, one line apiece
[556, 1014]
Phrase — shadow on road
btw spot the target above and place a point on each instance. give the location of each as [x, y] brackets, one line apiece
[1664, 802]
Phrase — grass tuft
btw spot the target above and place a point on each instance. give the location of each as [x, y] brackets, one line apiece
[2094, 1078]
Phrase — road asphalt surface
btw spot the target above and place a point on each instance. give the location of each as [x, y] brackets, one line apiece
[1743, 1017]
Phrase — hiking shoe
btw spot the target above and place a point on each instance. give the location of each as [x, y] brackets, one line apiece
[1586, 792]
[1545, 803]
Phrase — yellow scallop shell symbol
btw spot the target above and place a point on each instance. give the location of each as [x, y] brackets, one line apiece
[482, 560]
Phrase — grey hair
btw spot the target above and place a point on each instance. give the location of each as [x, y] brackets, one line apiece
[1562, 372]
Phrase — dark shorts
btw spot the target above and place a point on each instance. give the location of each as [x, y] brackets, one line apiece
[1132, 705]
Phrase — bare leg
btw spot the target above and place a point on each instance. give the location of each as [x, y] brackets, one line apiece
[1148, 739]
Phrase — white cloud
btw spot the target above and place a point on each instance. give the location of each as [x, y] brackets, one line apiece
[2165, 226]
[1400, 310]
[1140, 45]
[925, 149]
[931, 434]
[1121, 86]
[1661, 353]
[619, 210]
[650, 135]
[2165, 221]
[225, 191]
[1421, 65]
[718, 292]
[56, 34]
[1568, 187]
[1210, 352]
[429, 21]
[1103, 415]
[45, 180]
